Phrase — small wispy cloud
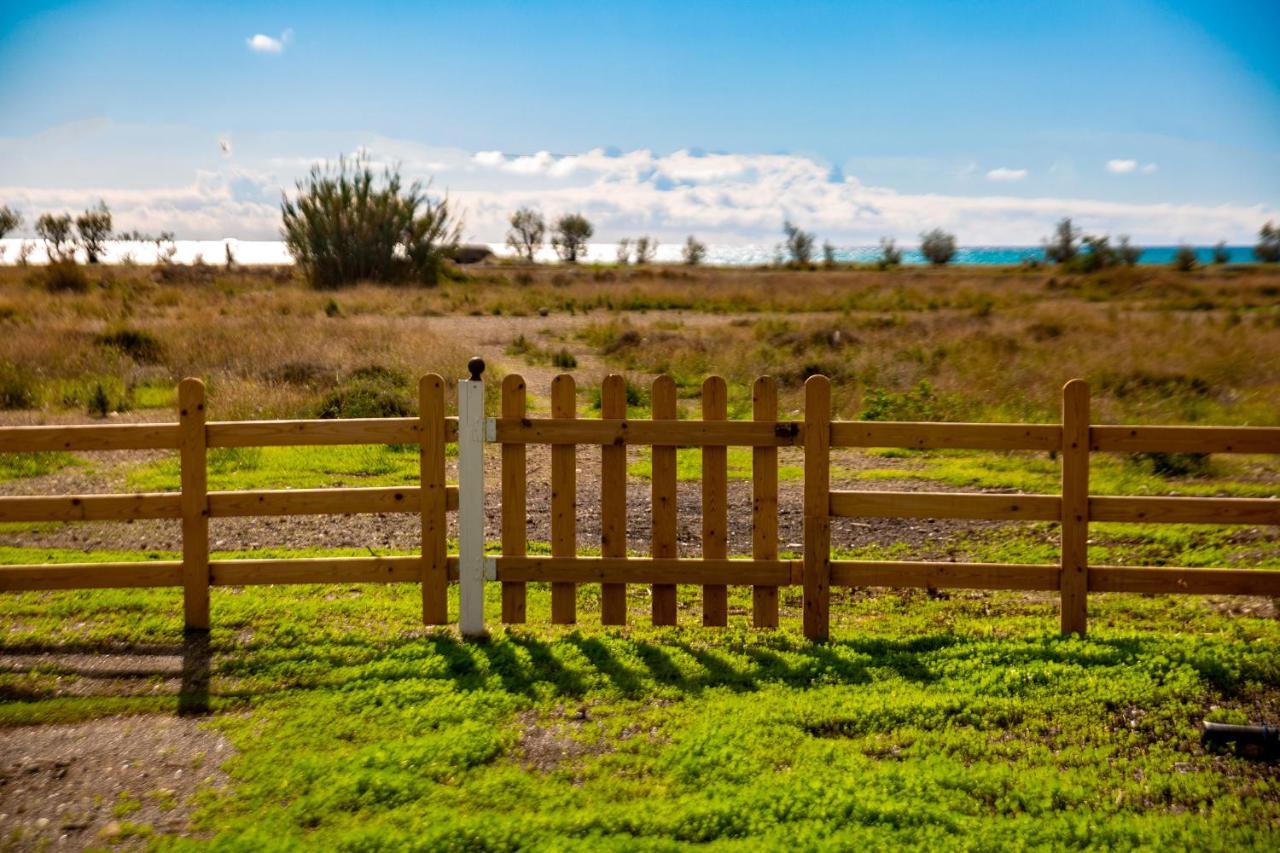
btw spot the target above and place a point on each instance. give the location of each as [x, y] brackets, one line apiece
[1150, 168]
[1005, 175]
[260, 43]
[1128, 167]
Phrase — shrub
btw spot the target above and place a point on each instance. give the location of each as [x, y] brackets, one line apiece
[646, 248]
[1173, 464]
[938, 247]
[570, 237]
[564, 359]
[99, 402]
[624, 251]
[828, 254]
[65, 276]
[890, 254]
[142, 347]
[1268, 249]
[799, 244]
[1127, 253]
[10, 220]
[18, 388]
[56, 233]
[332, 308]
[694, 251]
[369, 392]
[527, 232]
[94, 226]
[346, 226]
[1062, 246]
[1220, 253]
[1184, 260]
[921, 403]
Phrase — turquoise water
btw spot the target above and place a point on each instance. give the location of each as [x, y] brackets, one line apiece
[974, 255]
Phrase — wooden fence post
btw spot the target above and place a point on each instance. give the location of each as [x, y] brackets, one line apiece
[764, 503]
[1074, 578]
[435, 527]
[193, 461]
[817, 507]
[715, 500]
[665, 519]
[471, 433]
[514, 519]
[564, 501]
[613, 500]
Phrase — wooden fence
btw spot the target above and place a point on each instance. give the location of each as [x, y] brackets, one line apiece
[1074, 438]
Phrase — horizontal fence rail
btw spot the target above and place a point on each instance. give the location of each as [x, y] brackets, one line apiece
[1073, 509]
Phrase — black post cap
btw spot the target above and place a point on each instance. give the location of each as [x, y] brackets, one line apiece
[476, 366]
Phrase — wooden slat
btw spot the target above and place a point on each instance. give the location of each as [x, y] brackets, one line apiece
[28, 439]
[973, 505]
[817, 502]
[433, 500]
[322, 432]
[715, 502]
[193, 459]
[613, 499]
[128, 575]
[932, 575]
[664, 489]
[514, 519]
[319, 570]
[564, 500]
[764, 502]
[946, 435]
[606, 431]
[1186, 510]
[1158, 580]
[651, 571]
[1185, 439]
[1075, 507]
[335, 501]
[91, 507]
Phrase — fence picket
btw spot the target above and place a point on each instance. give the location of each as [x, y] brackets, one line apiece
[564, 500]
[1075, 507]
[715, 502]
[764, 503]
[613, 500]
[435, 524]
[664, 506]
[514, 500]
[817, 507]
[194, 476]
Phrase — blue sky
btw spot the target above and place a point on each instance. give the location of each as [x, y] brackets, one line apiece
[991, 119]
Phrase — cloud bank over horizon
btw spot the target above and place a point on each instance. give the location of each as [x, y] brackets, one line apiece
[208, 192]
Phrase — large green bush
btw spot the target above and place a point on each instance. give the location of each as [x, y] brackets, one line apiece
[346, 225]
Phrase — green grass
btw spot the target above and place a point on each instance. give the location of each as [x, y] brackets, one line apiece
[689, 465]
[15, 466]
[289, 467]
[926, 722]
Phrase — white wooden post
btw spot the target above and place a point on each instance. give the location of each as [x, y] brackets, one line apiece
[471, 435]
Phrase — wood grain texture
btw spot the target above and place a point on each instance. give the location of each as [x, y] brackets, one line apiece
[663, 504]
[29, 439]
[975, 505]
[613, 500]
[817, 503]
[764, 502]
[514, 498]
[1075, 507]
[435, 528]
[941, 435]
[715, 502]
[193, 461]
[564, 500]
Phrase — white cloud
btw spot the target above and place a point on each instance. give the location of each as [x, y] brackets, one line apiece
[260, 43]
[1121, 167]
[1006, 175]
[1149, 169]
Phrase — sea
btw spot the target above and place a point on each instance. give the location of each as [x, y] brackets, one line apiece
[273, 252]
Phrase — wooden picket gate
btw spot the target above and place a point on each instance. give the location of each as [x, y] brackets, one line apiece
[1073, 508]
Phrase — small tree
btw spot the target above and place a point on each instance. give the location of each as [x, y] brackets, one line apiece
[624, 251]
[1220, 253]
[1184, 260]
[570, 237]
[799, 244]
[528, 230]
[1126, 253]
[94, 226]
[828, 254]
[938, 247]
[1062, 246]
[347, 225]
[694, 251]
[56, 233]
[10, 220]
[1268, 249]
[890, 254]
[646, 248]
